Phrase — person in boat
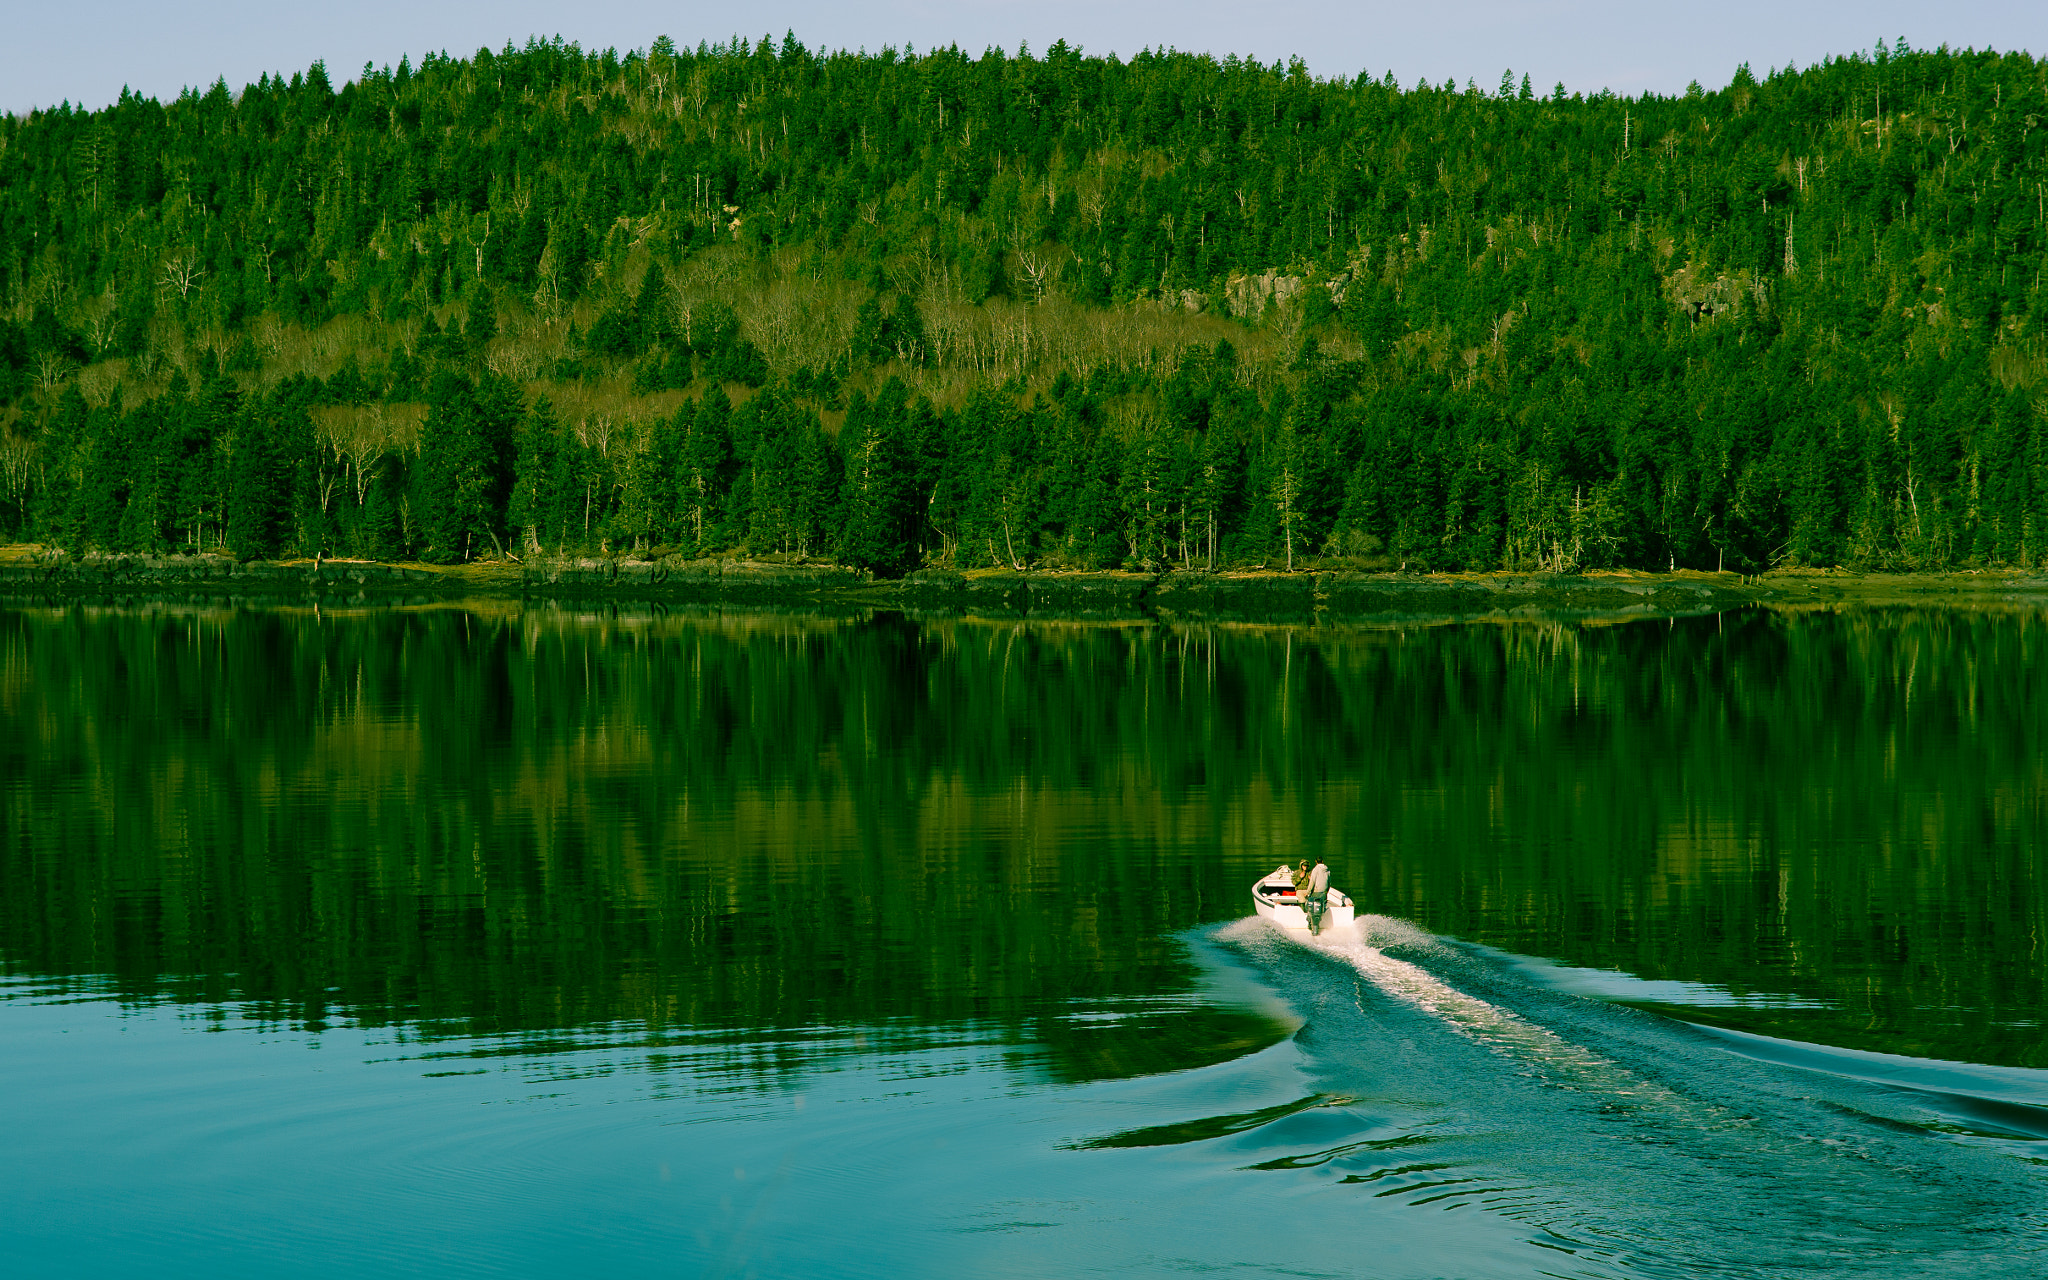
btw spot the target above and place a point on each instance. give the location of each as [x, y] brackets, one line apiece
[1316, 895]
[1301, 878]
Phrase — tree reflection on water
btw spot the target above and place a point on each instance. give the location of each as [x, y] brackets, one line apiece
[493, 820]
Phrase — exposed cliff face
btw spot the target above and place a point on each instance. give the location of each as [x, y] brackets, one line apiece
[1702, 293]
[1249, 295]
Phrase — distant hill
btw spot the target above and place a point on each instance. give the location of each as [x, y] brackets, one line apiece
[1067, 310]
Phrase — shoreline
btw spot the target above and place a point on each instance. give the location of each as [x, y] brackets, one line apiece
[29, 574]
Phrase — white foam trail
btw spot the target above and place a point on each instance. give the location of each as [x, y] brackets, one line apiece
[1541, 1052]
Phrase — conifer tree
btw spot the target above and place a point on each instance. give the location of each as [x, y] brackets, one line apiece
[260, 474]
[465, 460]
[877, 496]
[703, 472]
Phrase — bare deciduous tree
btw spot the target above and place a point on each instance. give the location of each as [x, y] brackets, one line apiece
[181, 274]
[100, 315]
[359, 437]
[1038, 266]
[51, 370]
[17, 465]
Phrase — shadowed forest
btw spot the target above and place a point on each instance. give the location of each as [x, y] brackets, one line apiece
[904, 309]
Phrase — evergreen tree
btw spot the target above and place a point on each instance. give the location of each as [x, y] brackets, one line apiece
[465, 460]
[481, 324]
[703, 472]
[536, 506]
[260, 475]
[815, 498]
[877, 497]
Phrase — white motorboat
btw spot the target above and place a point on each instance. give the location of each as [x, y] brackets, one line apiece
[1277, 901]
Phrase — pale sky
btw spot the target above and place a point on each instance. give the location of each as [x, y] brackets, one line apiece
[84, 51]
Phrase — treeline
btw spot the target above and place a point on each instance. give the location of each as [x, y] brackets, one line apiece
[1071, 311]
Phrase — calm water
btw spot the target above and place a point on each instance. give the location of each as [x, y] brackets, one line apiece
[487, 942]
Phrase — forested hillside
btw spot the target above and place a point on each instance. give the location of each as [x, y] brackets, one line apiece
[1060, 311]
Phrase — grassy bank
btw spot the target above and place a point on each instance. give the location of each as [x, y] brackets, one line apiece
[29, 572]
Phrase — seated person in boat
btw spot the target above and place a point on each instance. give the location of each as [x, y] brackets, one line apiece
[1316, 895]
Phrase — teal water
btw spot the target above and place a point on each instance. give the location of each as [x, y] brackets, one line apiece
[523, 942]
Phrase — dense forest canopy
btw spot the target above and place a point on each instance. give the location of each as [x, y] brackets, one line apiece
[1059, 311]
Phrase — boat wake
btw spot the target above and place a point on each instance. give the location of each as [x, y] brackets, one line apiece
[1639, 1145]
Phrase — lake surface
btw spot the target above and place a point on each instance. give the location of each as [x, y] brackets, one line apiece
[480, 941]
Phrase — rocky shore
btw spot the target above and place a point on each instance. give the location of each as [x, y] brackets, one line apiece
[30, 574]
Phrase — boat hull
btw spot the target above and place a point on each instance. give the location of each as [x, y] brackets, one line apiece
[1292, 917]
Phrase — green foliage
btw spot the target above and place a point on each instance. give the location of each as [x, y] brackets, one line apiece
[878, 524]
[259, 479]
[466, 460]
[704, 471]
[1797, 319]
